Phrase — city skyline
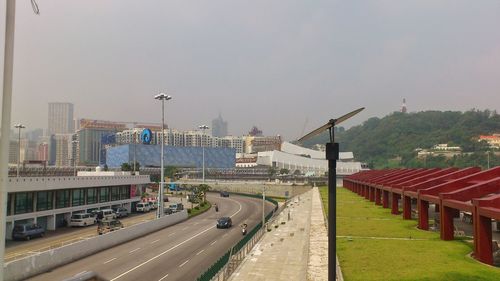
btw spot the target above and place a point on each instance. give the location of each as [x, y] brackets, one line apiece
[279, 67]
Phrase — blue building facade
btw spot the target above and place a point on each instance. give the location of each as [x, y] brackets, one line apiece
[179, 156]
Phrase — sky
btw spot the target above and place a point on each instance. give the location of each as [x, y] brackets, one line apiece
[286, 67]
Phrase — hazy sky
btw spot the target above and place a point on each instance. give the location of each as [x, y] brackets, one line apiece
[274, 64]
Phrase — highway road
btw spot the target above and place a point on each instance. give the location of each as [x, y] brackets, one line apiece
[179, 252]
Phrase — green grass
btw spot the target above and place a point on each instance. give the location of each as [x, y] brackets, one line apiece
[194, 212]
[363, 258]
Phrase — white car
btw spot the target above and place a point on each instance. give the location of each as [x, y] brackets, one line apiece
[82, 219]
[142, 207]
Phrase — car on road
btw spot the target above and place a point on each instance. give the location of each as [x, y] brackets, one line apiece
[120, 212]
[224, 222]
[106, 226]
[27, 231]
[142, 207]
[153, 205]
[82, 219]
[176, 207]
[224, 194]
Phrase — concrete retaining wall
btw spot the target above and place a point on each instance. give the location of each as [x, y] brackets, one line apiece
[39, 263]
[254, 188]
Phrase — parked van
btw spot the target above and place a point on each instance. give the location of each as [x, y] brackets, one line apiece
[82, 219]
[27, 231]
[176, 207]
[142, 207]
[105, 214]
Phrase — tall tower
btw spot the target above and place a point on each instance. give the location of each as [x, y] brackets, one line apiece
[219, 127]
[60, 118]
[403, 106]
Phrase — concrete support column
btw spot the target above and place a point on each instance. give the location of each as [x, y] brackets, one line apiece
[385, 198]
[51, 222]
[367, 192]
[446, 226]
[423, 214]
[377, 196]
[395, 204]
[482, 239]
[406, 207]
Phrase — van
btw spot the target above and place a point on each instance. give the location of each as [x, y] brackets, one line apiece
[142, 207]
[106, 226]
[82, 219]
[176, 207]
[105, 214]
[27, 231]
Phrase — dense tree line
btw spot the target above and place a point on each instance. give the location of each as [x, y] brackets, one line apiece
[392, 141]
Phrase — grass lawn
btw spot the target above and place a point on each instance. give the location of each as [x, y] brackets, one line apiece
[372, 244]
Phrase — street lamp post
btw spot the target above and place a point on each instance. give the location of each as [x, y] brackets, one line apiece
[332, 155]
[74, 142]
[163, 97]
[19, 127]
[203, 128]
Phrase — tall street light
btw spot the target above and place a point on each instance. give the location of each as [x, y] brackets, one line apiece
[203, 128]
[73, 148]
[332, 155]
[19, 127]
[163, 97]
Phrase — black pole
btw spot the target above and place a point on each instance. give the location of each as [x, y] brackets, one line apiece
[332, 155]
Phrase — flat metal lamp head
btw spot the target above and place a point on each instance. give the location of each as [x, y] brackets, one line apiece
[332, 123]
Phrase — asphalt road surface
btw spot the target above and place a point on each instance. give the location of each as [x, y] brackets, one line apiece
[179, 252]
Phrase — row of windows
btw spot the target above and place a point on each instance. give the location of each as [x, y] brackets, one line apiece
[23, 202]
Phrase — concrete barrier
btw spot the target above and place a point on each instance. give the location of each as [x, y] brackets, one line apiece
[44, 261]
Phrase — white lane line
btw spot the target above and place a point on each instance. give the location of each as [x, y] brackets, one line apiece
[108, 261]
[200, 252]
[174, 247]
[171, 234]
[80, 273]
[152, 242]
[196, 223]
[183, 263]
[134, 250]
[185, 228]
[163, 277]
[213, 243]
[224, 235]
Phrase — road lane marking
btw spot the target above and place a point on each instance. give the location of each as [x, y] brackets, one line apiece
[155, 241]
[200, 252]
[134, 250]
[183, 263]
[78, 274]
[224, 235]
[108, 261]
[173, 248]
[171, 234]
[163, 277]
[196, 223]
[185, 228]
[213, 243]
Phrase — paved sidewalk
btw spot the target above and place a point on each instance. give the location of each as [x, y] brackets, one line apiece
[283, 253]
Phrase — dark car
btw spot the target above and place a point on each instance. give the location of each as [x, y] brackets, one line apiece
[224, 222]
[120, 212]
[224, 194]
[27, 231]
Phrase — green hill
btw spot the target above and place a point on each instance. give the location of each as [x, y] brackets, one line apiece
[392, 141]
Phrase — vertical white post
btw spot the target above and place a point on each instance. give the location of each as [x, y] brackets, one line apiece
[6, 110]
[19, 146]
[160, 192]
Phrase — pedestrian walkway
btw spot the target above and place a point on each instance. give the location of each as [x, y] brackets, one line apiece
[283, 253]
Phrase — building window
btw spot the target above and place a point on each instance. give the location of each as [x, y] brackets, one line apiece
[24, 203]
[78, 197]
[62, 198]
[103, 194]
[115, 193]
[124, 192]
[9, 203]
[91, 195]
[44, 200]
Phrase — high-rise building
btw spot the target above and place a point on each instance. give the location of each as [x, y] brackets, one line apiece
[403, 106]
[63, 149]
[219, 127]
[60, 118]
[91, 151]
